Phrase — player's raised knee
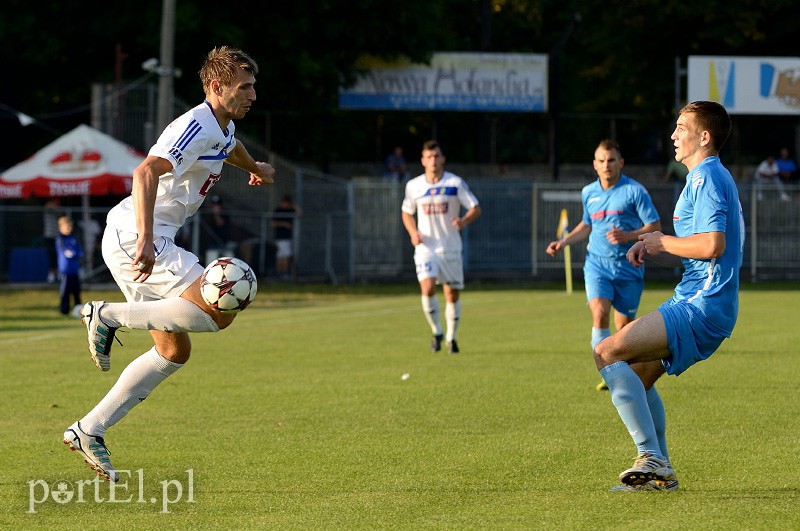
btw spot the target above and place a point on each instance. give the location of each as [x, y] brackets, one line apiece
[604, 352]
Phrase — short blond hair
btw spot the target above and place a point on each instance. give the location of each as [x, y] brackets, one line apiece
[222, 63]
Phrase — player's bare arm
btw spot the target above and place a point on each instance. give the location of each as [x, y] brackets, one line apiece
[617, 236]
[260, 172]
[471, 215]
[637, 255]
[579, 233]
[411, 227]
[701, 246]
[145, 187]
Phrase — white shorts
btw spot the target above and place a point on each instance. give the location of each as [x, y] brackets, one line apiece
[446, 268]
[284, 248]
[174, 271]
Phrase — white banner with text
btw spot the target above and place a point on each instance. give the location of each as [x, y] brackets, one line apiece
[452, 82]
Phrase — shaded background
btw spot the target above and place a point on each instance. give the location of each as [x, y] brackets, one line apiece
[615, 70]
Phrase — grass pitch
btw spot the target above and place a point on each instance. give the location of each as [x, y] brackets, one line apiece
[298, 417]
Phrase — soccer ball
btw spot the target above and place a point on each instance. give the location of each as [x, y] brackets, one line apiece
[228, 285]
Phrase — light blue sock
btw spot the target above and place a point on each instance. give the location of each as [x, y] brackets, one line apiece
[599, 334]
[629, 397]
[659, 418]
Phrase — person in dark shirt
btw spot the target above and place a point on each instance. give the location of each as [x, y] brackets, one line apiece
[395, 165]
[283, 222]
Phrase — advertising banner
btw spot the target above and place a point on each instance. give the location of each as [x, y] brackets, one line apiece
[453, 82]
[746, 85]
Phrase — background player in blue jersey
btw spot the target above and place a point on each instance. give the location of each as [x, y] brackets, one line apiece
[616, 210]
[690, 326]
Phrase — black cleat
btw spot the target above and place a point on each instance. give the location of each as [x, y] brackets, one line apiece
[452, 347]
[436, 343]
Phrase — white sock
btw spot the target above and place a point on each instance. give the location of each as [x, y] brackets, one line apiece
[135, 383]
[170, 315]
[452, 314]
[430, 307]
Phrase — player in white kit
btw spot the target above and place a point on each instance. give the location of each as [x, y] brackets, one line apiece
[160, 280]
[436, 198]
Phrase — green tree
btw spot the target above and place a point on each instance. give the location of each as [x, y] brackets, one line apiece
[617, 62]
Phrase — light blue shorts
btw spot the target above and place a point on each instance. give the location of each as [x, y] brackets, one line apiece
[613, 281]
[689, 337]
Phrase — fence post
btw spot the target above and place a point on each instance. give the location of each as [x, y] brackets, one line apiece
[535, 230]
[753, 234]
[351, 243]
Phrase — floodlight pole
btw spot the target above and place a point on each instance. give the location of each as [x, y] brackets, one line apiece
[167, 68]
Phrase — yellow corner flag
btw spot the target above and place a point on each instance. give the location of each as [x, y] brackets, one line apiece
[563, 232]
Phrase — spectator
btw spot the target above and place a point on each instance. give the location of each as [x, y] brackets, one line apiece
[219, 231]
[395, 165]
[675, 172]
[69, 253]
[283, 223]
[786, 165]
[92, 232]
[768, 172]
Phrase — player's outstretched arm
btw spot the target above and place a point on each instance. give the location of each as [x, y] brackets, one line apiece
[260, 172]
[579, 233]
[700, 246]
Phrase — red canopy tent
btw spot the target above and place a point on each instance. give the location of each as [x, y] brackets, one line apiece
[83, 162]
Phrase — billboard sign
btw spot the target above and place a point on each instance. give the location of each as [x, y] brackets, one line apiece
[459, 81]
[746, 85]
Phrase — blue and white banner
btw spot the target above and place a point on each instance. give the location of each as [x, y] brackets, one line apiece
[746, 85]
[453, 82]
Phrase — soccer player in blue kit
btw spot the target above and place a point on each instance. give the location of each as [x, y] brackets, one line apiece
[690, 326]
[616, 210]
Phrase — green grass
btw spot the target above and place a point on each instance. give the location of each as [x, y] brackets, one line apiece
[297, 417]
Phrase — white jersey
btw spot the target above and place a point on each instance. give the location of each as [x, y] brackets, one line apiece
[436, 204]
[196, 146]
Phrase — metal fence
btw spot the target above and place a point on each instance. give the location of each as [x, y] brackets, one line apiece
[351, 230]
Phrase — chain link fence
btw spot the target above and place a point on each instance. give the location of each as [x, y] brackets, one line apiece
[351, 230]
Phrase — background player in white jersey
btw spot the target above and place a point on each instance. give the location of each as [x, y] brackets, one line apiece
[616, 210]
[436, 198]
[160, 280]
[689, 327]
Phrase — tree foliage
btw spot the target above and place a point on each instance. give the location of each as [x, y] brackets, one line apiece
[618, 59]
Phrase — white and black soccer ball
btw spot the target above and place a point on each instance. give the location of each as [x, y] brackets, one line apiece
[228, 284]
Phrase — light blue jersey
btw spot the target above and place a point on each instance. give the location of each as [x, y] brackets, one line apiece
[710, 203]
[627, 206]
